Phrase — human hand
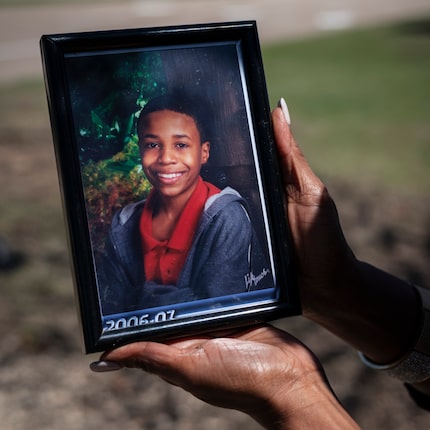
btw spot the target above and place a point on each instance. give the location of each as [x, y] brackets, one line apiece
[263, 372]
[324, 259]
[370, 309]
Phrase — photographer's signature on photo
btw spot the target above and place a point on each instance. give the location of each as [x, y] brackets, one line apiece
[252, 280]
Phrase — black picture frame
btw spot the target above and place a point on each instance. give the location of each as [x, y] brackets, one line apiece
[96, 84]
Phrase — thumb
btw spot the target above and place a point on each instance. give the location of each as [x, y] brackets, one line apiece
[149, 356]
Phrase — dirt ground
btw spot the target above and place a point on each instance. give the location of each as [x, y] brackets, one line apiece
[45, 382]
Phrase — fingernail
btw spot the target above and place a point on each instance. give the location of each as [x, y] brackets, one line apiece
[283, 105]
[105, 366]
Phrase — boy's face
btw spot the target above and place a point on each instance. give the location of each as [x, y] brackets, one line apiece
[171, 152]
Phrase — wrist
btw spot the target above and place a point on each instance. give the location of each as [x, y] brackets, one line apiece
[298, 396]
[371, 310]
[413, 366]
[309, 404]
[328, 299]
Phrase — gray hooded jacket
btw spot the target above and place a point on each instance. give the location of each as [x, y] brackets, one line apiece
[225, 258]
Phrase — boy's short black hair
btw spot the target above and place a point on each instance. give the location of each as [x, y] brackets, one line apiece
[181, 102]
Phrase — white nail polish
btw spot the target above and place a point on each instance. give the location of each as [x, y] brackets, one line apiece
[283, 105]
[104, 366]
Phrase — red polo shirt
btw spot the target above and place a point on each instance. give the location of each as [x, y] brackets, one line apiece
[163, 261]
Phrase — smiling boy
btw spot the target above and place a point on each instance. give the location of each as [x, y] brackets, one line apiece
[188, 240]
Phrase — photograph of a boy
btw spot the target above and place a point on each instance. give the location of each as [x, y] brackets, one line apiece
[188, 240]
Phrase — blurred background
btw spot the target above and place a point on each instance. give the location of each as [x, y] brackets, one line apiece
[356, 77]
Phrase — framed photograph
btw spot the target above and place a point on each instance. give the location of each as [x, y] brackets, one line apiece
[170, 181]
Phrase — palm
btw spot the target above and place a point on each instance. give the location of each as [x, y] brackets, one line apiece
[235, 371]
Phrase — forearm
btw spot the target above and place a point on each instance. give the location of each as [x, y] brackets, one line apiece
[373, 311]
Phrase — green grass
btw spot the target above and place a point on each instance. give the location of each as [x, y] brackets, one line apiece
[360, 102]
